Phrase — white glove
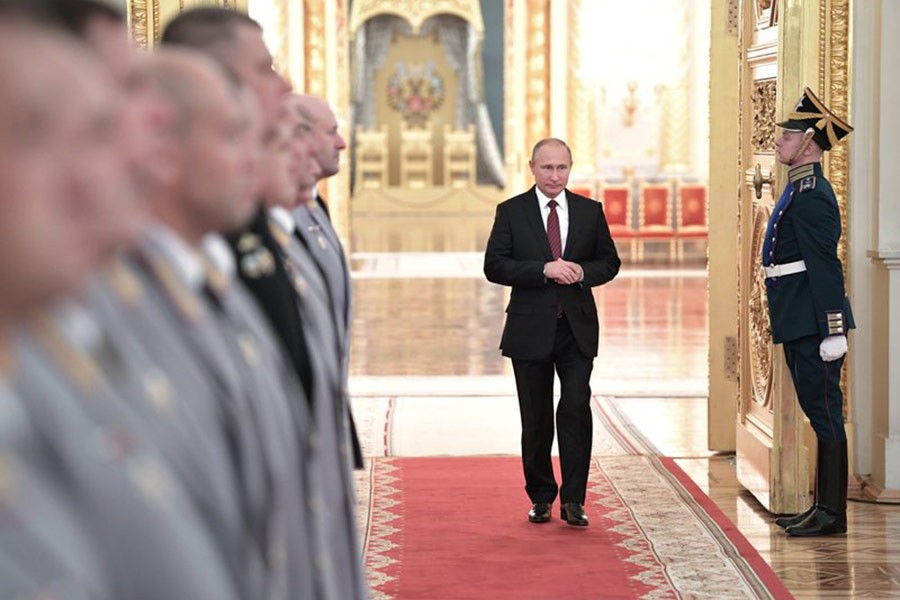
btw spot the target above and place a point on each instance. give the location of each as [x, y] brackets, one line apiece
[833, 347]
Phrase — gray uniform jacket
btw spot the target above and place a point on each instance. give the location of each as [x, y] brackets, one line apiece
[177, 400]
[147, 530]
[324, 247]
[330, 411]
[44, 549]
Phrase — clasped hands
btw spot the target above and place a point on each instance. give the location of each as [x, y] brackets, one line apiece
[563, 272]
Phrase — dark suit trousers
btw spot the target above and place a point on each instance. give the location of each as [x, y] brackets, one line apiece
[818, 386]
[534, 382]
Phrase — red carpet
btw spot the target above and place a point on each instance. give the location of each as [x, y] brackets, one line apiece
[456, 528]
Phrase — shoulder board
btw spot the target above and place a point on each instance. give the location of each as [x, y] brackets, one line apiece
[806, 184]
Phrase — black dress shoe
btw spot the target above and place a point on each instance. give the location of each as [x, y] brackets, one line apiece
[539, 513]
[821, 522]
[573, 514]
[785, 522]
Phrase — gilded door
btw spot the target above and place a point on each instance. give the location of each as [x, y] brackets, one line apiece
[785, 45]
[771, 454]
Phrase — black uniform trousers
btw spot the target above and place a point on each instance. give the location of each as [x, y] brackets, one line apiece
[818, 387]
[534, 382]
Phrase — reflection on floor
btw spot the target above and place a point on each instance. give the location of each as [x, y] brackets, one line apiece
[426, 328]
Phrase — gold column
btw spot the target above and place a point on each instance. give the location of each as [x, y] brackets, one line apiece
[514, 100]
[537, 117]
[675, 97]
[724, 206]
[582, 110]
[314, 48]
[526, 85]
[337, 65]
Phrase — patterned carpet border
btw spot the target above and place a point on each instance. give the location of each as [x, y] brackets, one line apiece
[617, 426]
[383, 534]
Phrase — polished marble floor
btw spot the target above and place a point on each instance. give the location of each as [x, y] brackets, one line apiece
[426, 328]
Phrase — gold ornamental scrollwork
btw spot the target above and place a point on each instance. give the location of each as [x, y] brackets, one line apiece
[761, 349]
[763, 103]
[835, 80]
[143, 20]
[137, 18]
[416, 11]
[838, 94]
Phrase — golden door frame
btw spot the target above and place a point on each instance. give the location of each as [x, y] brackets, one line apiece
[780, 47]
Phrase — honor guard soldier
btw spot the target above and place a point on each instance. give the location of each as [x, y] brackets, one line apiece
[808, 309]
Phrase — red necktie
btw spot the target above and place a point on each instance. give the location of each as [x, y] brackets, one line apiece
[555, 241]
[553, 231]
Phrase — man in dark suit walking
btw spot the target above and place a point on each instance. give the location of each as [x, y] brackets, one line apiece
[552, 246]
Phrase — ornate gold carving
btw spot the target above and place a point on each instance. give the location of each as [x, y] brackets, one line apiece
[839, 101]
[157, 30]
[144, 22]
[416, 11]
[137, 21]
[823, 46]
[835, 61]
[761, 348]
[763, 104]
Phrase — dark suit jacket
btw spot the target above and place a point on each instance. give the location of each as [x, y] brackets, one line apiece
[270, 284]
[812, 302]
[517, 251]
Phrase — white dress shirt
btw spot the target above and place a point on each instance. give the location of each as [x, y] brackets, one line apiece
[562, 211]
[219, 255]
[283, 219]
[186, 261]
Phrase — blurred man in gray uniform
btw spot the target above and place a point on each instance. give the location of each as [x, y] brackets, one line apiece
[171, 393]
[216, 180]
[44, 548]
[321, 240]
[148, 538]
[330, 413]
[237, 43]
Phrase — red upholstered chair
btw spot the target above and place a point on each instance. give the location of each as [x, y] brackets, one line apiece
[616, 200]
[691, 215]
[583, 189]
[655, 216]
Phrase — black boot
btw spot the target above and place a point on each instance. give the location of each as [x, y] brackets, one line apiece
[830, 515]
[785, 522]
